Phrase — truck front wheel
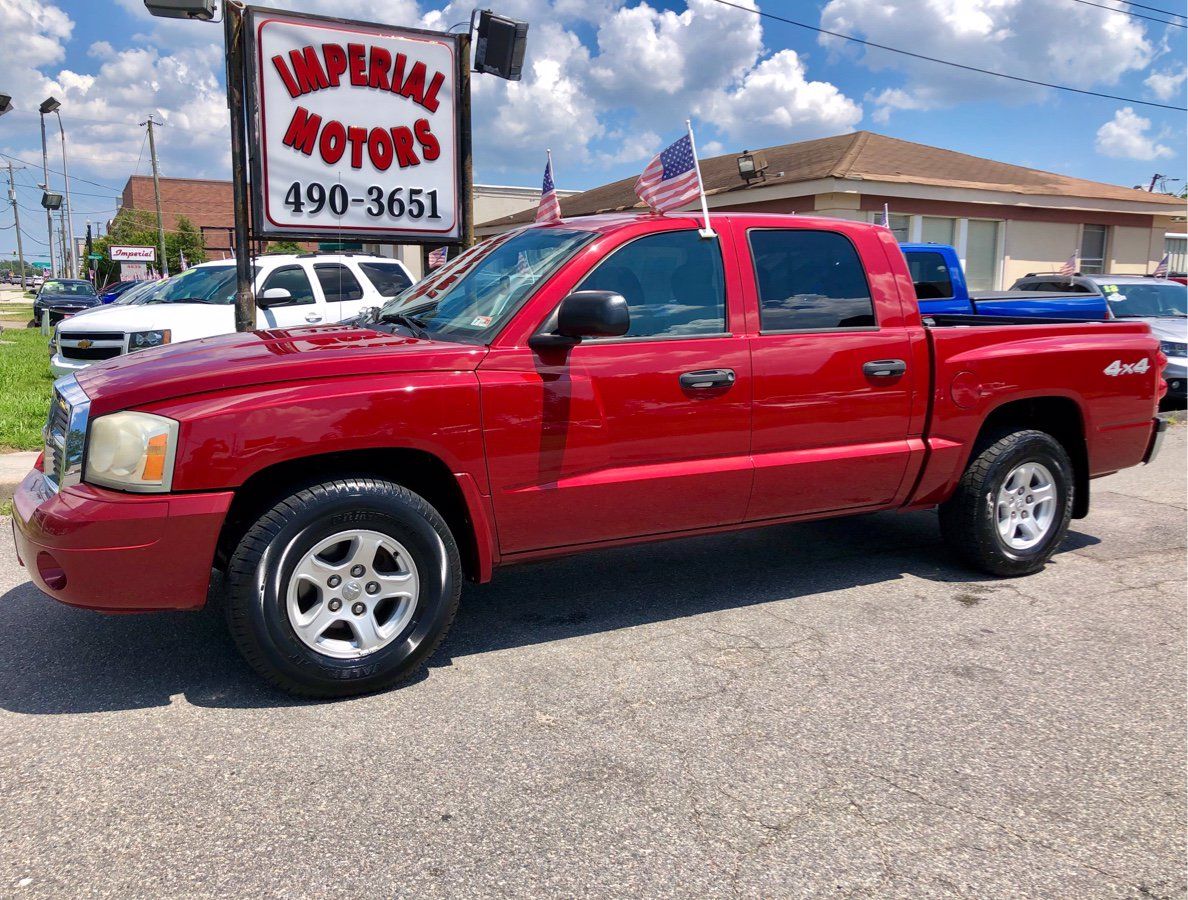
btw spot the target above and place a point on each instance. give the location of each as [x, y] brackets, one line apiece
[343, 588]
[1012, 507]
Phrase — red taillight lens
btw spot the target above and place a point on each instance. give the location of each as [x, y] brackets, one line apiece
[1160, 361]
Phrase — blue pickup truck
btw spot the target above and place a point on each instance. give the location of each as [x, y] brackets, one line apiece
[941, 290]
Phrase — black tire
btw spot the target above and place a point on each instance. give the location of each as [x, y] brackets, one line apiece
[968, 521]
[260, 569]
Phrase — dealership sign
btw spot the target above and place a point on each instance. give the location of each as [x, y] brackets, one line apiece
[355, 129]
[133, 254]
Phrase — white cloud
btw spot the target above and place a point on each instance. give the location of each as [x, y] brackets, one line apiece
[775, 103]
[1126, 137]
[1166, 85]
[1043, 41]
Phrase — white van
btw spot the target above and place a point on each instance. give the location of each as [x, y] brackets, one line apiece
[291, 290]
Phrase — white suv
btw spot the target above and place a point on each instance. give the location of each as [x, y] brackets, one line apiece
[291, 290]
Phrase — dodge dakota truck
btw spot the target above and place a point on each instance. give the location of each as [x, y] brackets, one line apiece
[559, 388]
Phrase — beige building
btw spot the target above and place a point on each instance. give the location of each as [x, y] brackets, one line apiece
[1004, 220]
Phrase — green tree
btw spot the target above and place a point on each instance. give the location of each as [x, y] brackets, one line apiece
[284, 247]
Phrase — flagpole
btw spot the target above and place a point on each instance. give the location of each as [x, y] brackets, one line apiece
[706, 232]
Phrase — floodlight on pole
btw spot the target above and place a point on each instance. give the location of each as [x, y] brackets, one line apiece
[202, 10]
[46, 197]
[5, 104]
[49, 105]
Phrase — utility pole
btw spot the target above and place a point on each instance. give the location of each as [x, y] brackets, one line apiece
[157, 196]
[49, 216]
[71, 258]
[1154, 179]
[16, 215]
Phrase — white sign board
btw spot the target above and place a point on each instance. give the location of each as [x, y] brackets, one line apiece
[354, 129]
[133, 271]
[133, 254]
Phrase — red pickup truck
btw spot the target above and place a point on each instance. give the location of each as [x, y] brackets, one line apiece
[603, 381]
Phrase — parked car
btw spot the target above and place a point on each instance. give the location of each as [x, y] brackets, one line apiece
[291, 289]
[941, 290]
[63, 297]
[112, 291]
[1160, 302]
[562, 388]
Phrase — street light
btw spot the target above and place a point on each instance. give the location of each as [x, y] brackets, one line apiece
[202, 10]
[52, 105]
[49, 217]
[5, 104]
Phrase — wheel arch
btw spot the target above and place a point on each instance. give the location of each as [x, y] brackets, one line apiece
[454, 496]
[1061, 417]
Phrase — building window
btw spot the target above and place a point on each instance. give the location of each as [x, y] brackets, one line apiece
[937, 230]
[1093, 249]
[981, 254]
[1176, 248]
[899, 224]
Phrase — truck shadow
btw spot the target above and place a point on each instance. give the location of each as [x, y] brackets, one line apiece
[58, 660]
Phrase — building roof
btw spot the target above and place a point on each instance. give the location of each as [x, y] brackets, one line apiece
[864, 155]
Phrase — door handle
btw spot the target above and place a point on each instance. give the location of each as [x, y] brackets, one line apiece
[707, 379]
[884, 368]
[312, 318]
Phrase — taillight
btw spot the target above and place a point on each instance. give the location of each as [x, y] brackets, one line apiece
[1160, 361]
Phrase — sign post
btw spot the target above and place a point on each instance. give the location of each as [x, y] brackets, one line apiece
[245, 301]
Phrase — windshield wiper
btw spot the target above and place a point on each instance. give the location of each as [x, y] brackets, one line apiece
[416, 326]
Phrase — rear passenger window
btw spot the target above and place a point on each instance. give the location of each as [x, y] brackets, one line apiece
[673, 284]
[930, 275]
[809, 280]
[338, 283]
[389, 279]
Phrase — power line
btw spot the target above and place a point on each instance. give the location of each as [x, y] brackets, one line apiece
[1126, 12]
[1167, 12]
[945, 62]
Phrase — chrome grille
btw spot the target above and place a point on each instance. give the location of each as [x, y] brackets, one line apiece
[65, 433]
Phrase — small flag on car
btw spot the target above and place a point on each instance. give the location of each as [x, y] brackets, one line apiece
[549, 211]
[1070, 265]
[886, 216]
[183, 265]
[437, 258]
[1161, 269]
[673, 179]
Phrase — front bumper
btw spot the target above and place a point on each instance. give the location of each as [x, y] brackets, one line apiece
[60, 365]
[1175, 373]
[90, 547]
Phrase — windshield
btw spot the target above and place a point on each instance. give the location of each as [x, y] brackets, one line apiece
[469, 298]
[138, 293]
[77, 288]
[1146, 299]
[205, 284]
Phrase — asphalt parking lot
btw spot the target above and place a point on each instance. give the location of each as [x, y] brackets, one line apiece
[831, 709]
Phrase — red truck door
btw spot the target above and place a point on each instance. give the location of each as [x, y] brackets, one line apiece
[832, 367]
[614, 438]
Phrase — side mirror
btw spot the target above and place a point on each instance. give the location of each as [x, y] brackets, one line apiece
[273, 297]
[586, 314]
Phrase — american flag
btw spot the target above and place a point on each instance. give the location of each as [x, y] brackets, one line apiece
[549, 211]
[182, 260]
[1161, 269]
[1070, 265]
[670, 180]
[437, 258]
[886, 215]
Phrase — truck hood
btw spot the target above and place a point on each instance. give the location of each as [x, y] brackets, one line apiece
[240, 360]
[186, 321]
[1169, 329]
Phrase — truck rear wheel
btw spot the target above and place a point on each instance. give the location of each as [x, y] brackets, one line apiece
[1012, 507]
[343, 588]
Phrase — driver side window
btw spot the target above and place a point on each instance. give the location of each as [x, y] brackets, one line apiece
[295, 281]
[673, 283]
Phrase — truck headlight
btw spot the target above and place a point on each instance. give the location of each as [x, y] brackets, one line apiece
[132, 451]
[1173, 348]
[142, 340]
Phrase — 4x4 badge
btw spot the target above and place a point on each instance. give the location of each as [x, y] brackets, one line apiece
[1117, 367]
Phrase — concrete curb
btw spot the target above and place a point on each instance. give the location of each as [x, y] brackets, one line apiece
[13, 469]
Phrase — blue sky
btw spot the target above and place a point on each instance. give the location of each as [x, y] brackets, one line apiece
[608, 83]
